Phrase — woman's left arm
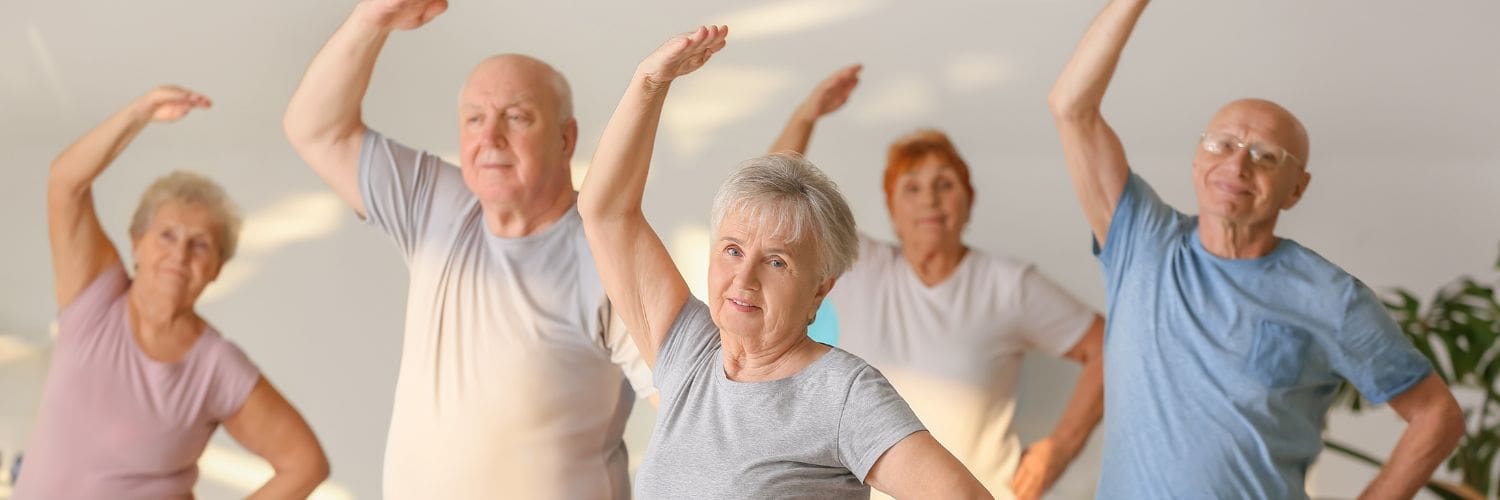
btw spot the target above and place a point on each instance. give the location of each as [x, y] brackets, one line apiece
[919, 467]
[270, 427]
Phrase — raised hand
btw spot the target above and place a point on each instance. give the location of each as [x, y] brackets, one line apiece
[169, 103]
[1040, 467]
[831, 93]
[402, 14]
[682, 54]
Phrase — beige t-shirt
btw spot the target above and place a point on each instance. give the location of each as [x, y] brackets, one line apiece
[954, 350]
[513, 379]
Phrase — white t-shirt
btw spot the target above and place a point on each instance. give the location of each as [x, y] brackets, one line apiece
[954, 350]
[513, 380]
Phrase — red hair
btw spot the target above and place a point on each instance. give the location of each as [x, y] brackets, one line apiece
[910, 149]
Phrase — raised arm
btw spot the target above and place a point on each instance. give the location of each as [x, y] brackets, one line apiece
[323, 120]
[638, 274]
[1434, 425]
[1096, 160]
[80, 250]
[827, 97]
[271, 428]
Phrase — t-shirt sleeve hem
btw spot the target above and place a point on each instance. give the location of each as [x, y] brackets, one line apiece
[887, 440]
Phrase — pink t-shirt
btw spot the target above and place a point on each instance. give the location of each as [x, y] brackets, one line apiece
[115, 423]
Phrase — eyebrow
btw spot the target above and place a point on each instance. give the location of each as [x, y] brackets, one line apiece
[778, 251]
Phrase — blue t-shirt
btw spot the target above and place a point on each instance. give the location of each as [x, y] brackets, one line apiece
[1219, 372]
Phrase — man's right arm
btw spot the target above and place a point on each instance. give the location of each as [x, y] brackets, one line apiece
[1095, 158]
[323, 120]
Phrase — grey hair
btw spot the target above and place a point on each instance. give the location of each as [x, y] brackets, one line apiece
[191, 188]
[788, 195]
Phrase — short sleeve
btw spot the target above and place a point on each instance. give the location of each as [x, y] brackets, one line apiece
[84, 312]
[1140, 227]
[404, 188]
[624, 353]
[692, 336]
[874, 419]
[1051, 319]
[1372, 353]
[234, 376]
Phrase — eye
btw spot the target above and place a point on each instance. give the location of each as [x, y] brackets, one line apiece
[732, 251]
[778, 263]
[1215, 145]
[473, 119]
[517, 117]
[1264, 156]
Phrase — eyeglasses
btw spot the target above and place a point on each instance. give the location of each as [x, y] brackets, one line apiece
[1267, 156]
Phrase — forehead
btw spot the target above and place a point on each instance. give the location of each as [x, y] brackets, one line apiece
[1252, 119]
[929, 166]
[192, 216]
[764, 227]
[505, 83]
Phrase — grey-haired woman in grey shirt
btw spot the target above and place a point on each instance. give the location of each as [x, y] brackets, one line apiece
[750, 406]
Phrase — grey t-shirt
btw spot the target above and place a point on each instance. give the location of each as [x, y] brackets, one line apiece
[812, 435]
[513, 380]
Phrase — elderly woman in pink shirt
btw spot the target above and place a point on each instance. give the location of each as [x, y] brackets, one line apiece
[139, 381]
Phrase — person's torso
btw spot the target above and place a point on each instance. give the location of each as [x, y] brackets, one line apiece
[718, 438]
[952, 350]
[505, 386]
[1217, 377]
[115, 423]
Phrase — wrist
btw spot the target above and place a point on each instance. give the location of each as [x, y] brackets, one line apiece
[367, 19]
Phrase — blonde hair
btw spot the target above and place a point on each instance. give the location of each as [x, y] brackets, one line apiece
[190, 188]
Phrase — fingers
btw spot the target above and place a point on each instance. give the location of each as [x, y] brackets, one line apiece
[177, 96]
[433, 9]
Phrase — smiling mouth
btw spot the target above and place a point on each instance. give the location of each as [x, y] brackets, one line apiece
[738, 304]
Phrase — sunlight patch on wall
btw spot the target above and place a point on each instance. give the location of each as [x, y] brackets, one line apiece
[245, 473]
[14, 347]
[292, 219]
[718, 96]
[904, 99]
[976, 71]
[689, 248]
[790, 16]
[580, 169]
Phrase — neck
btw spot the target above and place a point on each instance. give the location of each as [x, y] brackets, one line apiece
[513, 221]
[934, 263]
[1233, 240]
[156, 319]
[760, 359]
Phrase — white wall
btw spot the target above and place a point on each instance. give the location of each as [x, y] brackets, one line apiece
[1400, 98]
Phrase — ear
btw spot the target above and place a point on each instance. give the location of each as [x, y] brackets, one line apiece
[1303, 179]
[570, 138]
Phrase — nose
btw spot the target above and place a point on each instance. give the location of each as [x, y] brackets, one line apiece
[493, 135]
[1240, 159]
[746, 276]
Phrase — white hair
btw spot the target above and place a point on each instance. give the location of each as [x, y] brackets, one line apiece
[190, 188]
[788, 195]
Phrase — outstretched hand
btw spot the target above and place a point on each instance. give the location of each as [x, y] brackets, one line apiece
[403, 14]
[832, 92]
[169, 103]
[682, 54]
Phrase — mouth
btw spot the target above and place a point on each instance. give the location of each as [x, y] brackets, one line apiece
[1231, 188]
[741, 305]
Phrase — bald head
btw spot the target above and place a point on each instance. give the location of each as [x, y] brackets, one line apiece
[1265, 118]
[525, 75]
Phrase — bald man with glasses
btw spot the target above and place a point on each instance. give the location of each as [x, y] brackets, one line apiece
[1225, 343]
